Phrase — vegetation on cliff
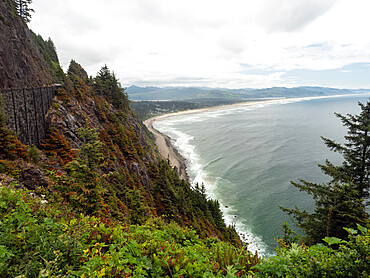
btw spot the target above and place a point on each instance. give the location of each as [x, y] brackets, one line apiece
[108, 167]
[39, 240]
[100, 166]
[98, 201]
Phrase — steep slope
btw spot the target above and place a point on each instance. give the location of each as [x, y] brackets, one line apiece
[21, 62]
[96, 156]
[98, 159]
[136, 183]
[97, 200]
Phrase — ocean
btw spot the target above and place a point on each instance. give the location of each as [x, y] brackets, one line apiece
[247, 155]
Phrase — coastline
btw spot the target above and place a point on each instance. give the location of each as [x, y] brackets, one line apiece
[167, 150]
[231, 215]
[255, 243]
[163, 142]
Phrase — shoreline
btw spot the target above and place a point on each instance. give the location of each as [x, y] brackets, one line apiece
[254, 242]
[167, 150]
[163, 142]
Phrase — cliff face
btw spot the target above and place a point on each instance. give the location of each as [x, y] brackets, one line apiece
[96, 157]
[125, 144]
[26, 110]
[21, 63]
[99, 160]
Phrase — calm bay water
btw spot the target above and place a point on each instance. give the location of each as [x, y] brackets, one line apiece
[246, 157]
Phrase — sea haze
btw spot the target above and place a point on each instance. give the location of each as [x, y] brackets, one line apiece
[247, 155]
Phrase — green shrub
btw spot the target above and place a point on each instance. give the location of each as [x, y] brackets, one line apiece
[32, 240]
[33, 154]
[340, 259]
[36, 240]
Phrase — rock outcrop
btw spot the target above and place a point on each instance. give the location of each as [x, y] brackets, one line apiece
[21, 63]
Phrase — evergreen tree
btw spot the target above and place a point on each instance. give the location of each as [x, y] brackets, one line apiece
[103, 80]
[85, 185]
[106, 83]
[23, 9]
[356, 152]
[337, 207]
[340, 202]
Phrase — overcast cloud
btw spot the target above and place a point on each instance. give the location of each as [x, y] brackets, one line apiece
[218, 43]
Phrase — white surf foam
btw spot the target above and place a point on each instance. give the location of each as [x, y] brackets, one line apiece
[195, 170]
[184, 143]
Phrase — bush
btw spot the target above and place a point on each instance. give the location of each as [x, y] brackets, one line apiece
[33, 154]
[36, 240]
[339, 259]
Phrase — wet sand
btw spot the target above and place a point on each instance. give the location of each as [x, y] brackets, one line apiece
[167, 150]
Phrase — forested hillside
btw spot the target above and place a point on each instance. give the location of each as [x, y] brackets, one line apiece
[96, 200]
[97, 161]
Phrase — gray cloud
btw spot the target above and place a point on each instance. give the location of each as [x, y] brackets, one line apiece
[176, 14]
[164, 42]
[292, 15]
[174, 81]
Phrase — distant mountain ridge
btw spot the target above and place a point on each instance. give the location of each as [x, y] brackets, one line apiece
[186, 93]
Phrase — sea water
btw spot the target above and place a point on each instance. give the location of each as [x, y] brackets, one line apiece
[247, 155]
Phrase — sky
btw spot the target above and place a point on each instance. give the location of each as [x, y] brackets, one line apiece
[213, 43]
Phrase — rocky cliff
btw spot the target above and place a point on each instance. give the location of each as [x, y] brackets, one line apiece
[21, 62]
[96, 157]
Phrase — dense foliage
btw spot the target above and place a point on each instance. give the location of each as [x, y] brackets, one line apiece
[38, 240]
[41, 239]
[350, 259]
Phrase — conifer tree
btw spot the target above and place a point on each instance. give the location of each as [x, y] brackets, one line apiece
[23, 9]
[340, 202]
[337, 207]
[356, 152]
[85, 181]
[106, 83]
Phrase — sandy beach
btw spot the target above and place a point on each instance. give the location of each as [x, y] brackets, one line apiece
[166, 149]
[163, 142]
